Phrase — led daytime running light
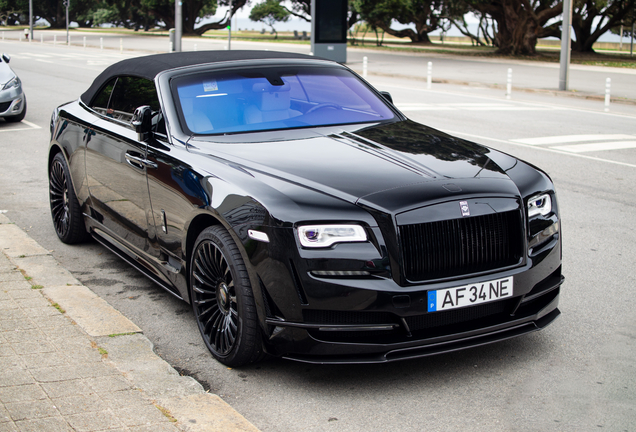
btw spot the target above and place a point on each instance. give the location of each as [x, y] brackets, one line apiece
[315, 236]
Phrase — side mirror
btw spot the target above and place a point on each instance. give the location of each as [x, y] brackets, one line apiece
[387, 96]
[6, 57]
[142, 122]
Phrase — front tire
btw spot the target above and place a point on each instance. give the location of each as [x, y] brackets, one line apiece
[223, 300]
[65, 209]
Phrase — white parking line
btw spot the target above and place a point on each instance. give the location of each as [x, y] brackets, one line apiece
[425, 108]
[25, 122]
[612, 145]
[572, 139]
[36, 55]
[552, 150]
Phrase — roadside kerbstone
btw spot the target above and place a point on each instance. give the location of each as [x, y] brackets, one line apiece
[57, 373]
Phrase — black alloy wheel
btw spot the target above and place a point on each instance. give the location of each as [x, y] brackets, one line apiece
[222, 299]
[65, 210]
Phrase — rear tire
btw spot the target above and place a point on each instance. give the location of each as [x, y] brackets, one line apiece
[66, 213]
[222, 299]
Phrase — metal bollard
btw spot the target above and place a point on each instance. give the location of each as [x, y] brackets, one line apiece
[68, 42]
[101, 43]
[84, 42]
[365, 66]
[195, 47]
[608, 85]
[509, 84]
[42, 38]
[429, 75]
[54, 39]
[121, 45]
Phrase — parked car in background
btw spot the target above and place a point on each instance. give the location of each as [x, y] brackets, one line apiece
[13, 105]
[300, 213]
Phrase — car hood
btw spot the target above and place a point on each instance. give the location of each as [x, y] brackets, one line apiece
[390, 166]
[6, 73]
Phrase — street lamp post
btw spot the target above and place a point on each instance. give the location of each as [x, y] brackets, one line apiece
[67, 3]
[30, 20]
[178, 25]
[565, 45]
[229, 30]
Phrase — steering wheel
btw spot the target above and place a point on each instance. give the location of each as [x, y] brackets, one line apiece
[321, 106]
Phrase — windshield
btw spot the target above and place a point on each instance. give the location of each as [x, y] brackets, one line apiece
[275, 98]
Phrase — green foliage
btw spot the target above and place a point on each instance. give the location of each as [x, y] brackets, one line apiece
[425, 15]
[104, 16]
[270, 12]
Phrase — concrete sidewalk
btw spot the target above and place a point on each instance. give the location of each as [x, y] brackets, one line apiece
[70, 362]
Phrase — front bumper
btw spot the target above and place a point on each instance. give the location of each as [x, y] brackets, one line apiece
[11, 102]
[418, 335]
[374, 320]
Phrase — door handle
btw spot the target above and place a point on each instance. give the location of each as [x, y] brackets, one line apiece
[139, 162]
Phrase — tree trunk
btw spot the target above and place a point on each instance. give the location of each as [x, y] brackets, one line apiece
[587, 20]
[409, 33]
[519, 39]
[519, 25]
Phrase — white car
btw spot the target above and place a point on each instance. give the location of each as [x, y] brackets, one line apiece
[13, 105]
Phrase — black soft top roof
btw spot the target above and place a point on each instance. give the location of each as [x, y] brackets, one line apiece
[149, 66]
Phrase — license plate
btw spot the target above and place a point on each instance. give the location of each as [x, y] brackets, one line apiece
[469, 295]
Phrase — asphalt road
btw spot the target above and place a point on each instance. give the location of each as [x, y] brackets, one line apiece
[579, 374]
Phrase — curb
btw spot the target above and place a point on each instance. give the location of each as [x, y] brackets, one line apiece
[128, 350]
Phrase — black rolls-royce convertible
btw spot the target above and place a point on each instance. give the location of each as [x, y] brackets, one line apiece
[300, 213]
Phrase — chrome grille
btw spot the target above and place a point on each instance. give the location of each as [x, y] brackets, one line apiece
[457, 247]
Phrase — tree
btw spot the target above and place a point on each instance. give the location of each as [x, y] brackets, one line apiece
[302, 9]
[593, 18]
[270, 12]
[192, 11]
[10, 11]
[520, 22]
[425, 15]
[207, 8]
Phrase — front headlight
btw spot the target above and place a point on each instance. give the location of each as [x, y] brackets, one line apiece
[539, 205]
[14, 82]
[316, 236]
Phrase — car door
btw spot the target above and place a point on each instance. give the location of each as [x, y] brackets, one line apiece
[116, 167]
